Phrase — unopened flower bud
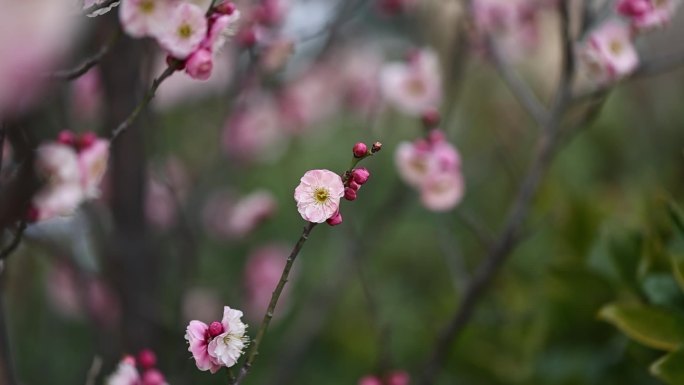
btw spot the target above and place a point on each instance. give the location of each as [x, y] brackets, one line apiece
[354, 186]
[431, 118]
[147, 359]
[360, 175]
[216, 328]
[86, 140]
[153, 377]
[377, 146]
[349, 194]
[226, 8]
[129, 360]
[335, 219]
[360, 150]
[66, 137]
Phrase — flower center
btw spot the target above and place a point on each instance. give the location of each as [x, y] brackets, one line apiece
[321, 195]
[659, 3]
[147, 6]
[416, 86]
[185, 31]
[615, 47]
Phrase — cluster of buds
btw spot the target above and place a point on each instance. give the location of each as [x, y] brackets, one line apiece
[129, 369]
[71, 168]
[609, 54]
[189, 34]
[319, 193]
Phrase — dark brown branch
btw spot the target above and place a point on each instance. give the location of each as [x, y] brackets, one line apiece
[88, 63]
[5, 253]
[146, 100]
[254, 348]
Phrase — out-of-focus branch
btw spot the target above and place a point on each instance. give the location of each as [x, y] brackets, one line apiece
[7, 375]
[518, 213]
[5, 253]
[88, 63]
[94, 371]
[100, 9]
[520, 89]
[123, 126]
[254, 348]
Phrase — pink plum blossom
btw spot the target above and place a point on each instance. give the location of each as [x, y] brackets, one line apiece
[213, 350]
[226, 348]
[184, 31]
[58, 163]
[608, 53]
[222, 27]
[397, 377]
[414, 86]
[92, 161]
[200, 64]
[141, 18]
[310, 99]
[647, 14]
[318, 195]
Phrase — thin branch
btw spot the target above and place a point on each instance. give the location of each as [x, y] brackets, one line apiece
[254, 348]
[5, 253]
[7, 374]
[522, 91]
[94, 371]
[510, 235]
[146, 100]
[98, 9]
[89, 62]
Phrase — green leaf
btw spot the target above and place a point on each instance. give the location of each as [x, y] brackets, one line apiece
[670, 368]
[647, 325]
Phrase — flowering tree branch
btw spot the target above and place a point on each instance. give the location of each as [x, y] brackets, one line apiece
[254, 348]
[510, 235]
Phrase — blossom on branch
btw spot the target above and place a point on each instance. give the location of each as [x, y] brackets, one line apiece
[414, 86]
[608, 54]
[218, 344]
[318, 195]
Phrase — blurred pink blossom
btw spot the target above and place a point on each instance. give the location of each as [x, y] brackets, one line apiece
[225, 216]
[647, 14]
[413, 86]
[125, 373]
[92, 161]
[141, 18]
[433, 166]
[608, 54]
[262, 273]
[318, 195]
[254, 131]
[86, 95]
[167, 188]
[369, 380]
[310, 98]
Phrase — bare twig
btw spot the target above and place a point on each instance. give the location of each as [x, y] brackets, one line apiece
[89, 62]
[518, 213]
[146, 100]
[254, 348]
[94, 371]
[5, 253]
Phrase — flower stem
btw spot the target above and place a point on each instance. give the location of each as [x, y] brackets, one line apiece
[254, 348]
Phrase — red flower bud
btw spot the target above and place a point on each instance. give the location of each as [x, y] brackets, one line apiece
[86, 140]
[349, 194]
[226, 8]
[360, 175]
[216, 328]
[66, 137]
[335, 219]
[147, 358]
[360, 150]
[431, 118]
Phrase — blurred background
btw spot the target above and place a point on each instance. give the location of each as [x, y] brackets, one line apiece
[197, 207]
